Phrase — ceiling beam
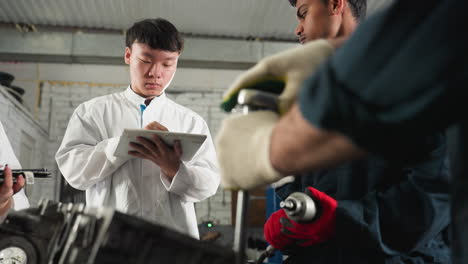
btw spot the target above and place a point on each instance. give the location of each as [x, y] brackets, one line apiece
[107, 48]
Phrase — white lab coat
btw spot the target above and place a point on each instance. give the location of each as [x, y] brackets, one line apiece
[136, 186]
[7, 156]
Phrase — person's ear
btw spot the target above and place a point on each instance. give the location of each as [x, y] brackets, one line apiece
[128, 53]
[336, 6]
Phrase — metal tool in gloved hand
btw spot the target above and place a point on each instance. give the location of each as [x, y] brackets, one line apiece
[282, 73]
[299, 207]
[306, 219]
[249, 100]
[262, 96]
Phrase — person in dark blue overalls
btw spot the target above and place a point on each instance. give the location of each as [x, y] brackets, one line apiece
[368, 197]
[397, 82]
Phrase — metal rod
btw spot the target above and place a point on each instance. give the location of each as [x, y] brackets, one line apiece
[250, 100]
[241, 222]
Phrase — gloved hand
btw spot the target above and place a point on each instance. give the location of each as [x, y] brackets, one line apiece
[281, 232]
[290, 67]
[243, 148]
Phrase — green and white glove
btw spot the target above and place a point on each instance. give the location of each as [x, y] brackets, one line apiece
[243, 148]
[282, 73]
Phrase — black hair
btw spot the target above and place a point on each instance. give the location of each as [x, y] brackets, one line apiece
[358, 7]
[157, 33]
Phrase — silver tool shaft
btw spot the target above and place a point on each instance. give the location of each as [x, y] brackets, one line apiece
[299, 207]
[250, 100]
[241, 225]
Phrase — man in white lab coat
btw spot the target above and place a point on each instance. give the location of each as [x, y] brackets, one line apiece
[156, 185]
[11, 194]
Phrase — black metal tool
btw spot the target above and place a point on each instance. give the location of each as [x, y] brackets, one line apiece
[38, 173]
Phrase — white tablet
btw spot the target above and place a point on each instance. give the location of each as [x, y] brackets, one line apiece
[190, 142]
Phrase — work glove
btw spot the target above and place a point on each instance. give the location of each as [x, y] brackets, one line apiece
[282, 232]
[243, 149]
[282, 73]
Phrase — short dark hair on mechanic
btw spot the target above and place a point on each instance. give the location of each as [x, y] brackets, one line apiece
[157, 33]
[358, 7]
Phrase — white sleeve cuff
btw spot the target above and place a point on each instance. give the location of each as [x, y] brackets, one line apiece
[181, 181]
[110, 148]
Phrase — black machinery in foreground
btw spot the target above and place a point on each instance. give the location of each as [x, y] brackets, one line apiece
[74, 233]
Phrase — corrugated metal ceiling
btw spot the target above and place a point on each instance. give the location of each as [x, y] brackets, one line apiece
[265, 19]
